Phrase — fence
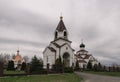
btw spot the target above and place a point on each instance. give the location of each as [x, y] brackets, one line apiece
[1, 69]
[28, 71]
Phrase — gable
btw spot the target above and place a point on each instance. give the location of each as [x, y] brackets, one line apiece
[67, 45]
[45, 50]
[49, 48]
[55, 44]
[87, 57]
[52, 49]
[61, 41]
[82, 61]
[49, 51]
[92, 58]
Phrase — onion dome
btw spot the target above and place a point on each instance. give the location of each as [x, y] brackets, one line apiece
[82, 45]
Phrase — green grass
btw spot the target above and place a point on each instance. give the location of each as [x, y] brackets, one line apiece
[44, 78]
[105, 73]
[14, 72]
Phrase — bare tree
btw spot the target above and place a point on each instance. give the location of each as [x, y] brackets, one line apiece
[1, 58]
[25, 58]
[6, 57]
[13, 56]
[114, 65]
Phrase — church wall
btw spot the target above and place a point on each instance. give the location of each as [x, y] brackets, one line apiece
[60, 34]
[67, 49]
[87, 60]
[83, 65]
[61, 42]
[57, 50]
[48, 57]
[51, 60]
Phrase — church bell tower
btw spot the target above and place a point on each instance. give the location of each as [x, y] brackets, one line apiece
[61, 31]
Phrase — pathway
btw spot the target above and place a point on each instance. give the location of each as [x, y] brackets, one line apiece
[97, 78]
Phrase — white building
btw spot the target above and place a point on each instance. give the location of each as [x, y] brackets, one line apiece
[59, 47]
[83, 57]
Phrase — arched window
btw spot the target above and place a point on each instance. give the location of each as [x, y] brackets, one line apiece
[56, 35]
[65, 34]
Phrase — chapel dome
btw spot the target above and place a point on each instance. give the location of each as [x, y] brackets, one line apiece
[82, 45]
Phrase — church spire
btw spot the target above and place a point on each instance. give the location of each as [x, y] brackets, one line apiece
[61, 31]
[18, 51]
[61, 17]
[61, 26]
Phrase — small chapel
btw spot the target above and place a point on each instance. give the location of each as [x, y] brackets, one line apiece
[83, 57]
[17, 59]
[59, 47]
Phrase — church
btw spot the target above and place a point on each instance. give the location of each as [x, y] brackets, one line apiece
[59, 47]
[18, 60]
[83, 57]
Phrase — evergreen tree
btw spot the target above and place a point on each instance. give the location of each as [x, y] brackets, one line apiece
[89, 66]
[10, 65]
[95, 67]
[58, 65]
[1, 68]
[104, 68]
[77, 65]
[36, 65]
[58, 61]
[23, 67]
[99, 67]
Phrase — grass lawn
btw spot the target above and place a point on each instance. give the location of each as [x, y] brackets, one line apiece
[105, 73]
[14, 72]
[44, 78]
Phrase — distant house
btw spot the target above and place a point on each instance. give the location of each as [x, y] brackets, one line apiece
[83, 57]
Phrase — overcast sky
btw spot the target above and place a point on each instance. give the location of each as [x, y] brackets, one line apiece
[30, 25]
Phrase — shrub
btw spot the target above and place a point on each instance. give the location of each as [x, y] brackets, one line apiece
[58, 66]
[95, 67]
[23, 67]
[68, 70]
[10, 65]
[77, 66]
[89, 66]
[36, 65]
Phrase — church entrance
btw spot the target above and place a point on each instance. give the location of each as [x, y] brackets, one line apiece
[66, 59]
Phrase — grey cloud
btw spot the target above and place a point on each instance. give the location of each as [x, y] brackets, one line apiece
[107, 57]
[89, 32]
[25, 19]
[13, 17]
[21, 42]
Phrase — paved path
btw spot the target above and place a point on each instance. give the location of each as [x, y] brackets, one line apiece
[97, 78]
